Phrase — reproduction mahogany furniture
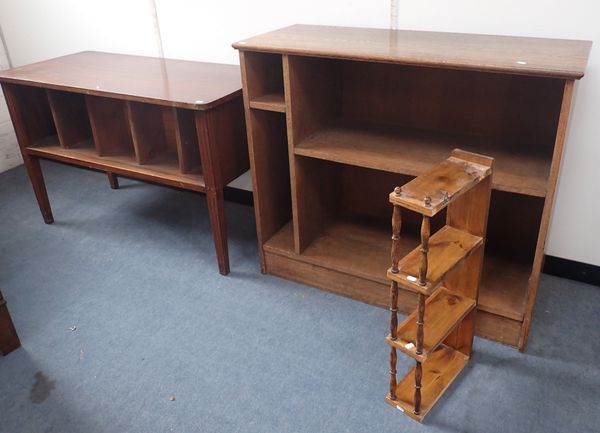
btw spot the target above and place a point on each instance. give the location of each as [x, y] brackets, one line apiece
[336, 117]
[9, 340]
[444, 271]
[171, 122]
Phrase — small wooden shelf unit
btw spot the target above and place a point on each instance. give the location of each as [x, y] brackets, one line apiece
[336, 117]
[444, 271]
[171, 122]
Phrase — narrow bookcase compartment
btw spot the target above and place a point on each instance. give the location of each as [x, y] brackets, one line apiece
[110, 127]
[71, 119]
[264, 81]
[186, 139]
[270, 173]
[510, 251]
[153, 138]
[32, 111]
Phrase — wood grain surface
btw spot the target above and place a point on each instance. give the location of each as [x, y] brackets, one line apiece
[557, 58]
[176, 83]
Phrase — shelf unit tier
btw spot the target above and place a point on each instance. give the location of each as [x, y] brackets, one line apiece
[447, 248]
[439, 371]
[441, 185]
[84, 154]
[444, 310]
[269, 102]
[517, 167]
[349, 258]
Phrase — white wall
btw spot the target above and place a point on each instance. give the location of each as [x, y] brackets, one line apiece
[201, 30]
[9, 150]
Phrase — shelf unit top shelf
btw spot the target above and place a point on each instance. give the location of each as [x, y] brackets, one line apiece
[439, 371]
[443, 311]
[84, 154]
[518, 169]
[269, 102]
[174, 83]
[364, 251]
[556, 58]
[442, 184]
[447, 247]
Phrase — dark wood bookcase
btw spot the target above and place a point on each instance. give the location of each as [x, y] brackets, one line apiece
[170, 122]
[337, 117]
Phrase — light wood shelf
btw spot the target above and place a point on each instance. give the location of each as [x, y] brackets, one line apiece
[413, 152]
[269, 102]
[439, 371]
[447, 248]
[443, 311]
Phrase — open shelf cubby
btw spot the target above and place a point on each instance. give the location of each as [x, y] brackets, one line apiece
[126, 137]
[405, 119]
[264, 75]
[366, 110]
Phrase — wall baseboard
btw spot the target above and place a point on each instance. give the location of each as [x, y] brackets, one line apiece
[572, 270]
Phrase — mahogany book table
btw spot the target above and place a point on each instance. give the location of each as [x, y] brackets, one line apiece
[171, 122]
[338, 116]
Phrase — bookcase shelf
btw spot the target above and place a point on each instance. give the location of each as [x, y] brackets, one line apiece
[412, 152]
[367, 109]
[354, 248]
[269, 102]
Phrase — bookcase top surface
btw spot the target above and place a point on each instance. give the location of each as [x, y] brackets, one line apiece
[177, 83]
[556, 58]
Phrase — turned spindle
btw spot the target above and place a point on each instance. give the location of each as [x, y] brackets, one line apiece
[418, 375]
[393, 384]
[424, 251]
[396, 224]
[395, 256]
[421, 311]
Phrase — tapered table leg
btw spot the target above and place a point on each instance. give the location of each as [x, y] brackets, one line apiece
[113, 180]
[34, 170]
[216, 211]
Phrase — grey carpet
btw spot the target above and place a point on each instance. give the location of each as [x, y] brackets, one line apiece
[134, 271]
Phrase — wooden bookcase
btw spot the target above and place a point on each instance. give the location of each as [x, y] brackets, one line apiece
[171, 122]
[336, 117]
